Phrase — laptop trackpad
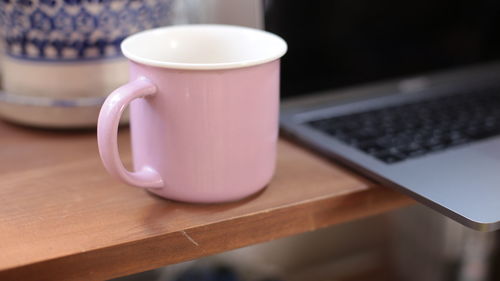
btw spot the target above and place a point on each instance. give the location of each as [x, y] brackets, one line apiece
[465, 180]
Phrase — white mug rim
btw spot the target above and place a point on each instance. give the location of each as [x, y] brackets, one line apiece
[279, 50]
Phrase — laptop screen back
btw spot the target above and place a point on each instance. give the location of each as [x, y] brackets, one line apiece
[339, 43]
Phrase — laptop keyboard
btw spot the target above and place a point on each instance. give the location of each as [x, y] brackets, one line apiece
[397, 133]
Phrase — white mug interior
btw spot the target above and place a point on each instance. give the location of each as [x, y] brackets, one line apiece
[202, 46]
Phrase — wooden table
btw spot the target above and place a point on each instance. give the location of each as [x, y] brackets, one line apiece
[62, 217]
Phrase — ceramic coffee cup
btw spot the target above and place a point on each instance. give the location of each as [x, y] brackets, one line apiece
[204, 103]
[62, 57]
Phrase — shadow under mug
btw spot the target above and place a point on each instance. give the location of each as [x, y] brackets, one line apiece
[204, 104]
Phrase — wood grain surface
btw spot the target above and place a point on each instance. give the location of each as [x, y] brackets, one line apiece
[63, 218]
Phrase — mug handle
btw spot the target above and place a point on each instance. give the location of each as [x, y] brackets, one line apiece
[107, 133]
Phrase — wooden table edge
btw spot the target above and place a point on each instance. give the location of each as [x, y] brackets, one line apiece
[204, 240]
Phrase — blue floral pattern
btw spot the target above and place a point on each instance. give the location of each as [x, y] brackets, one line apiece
[69, 30]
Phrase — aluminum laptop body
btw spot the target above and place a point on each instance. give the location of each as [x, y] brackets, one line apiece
[462, 182]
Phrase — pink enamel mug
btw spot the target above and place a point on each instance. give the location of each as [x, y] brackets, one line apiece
[204, 102]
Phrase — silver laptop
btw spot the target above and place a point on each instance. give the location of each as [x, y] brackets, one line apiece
[411, 105]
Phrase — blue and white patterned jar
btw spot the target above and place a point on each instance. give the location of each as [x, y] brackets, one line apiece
[62, 57]
[71, 30]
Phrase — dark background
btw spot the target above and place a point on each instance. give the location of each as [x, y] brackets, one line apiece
[335, 43]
